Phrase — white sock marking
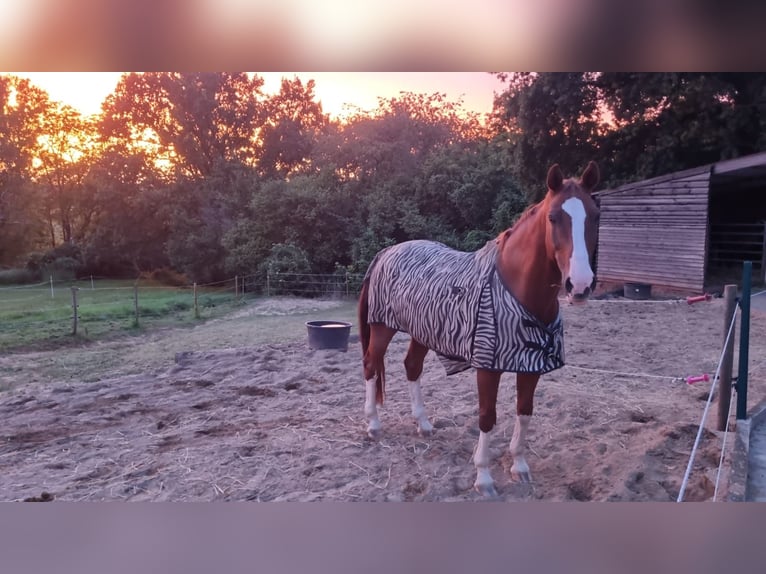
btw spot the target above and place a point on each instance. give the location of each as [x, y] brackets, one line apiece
[370, 408]
[419, 408]
[518, 444]
[481, 461]
[519, 438]
[580, 272]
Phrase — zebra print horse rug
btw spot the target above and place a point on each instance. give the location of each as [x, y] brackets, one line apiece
[456, 304]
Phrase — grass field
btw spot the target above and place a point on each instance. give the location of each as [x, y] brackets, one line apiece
[38, 317]
[255, 322]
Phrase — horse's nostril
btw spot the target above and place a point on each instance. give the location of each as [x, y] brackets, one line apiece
[568, 285]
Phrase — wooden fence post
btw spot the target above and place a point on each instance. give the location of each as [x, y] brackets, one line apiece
[724, 396]
[74, 310]
[196, 306]
[135, 301]
[268, 283]
[51, 286]
[236, 287]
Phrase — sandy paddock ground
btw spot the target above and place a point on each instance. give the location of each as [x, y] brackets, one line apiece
[278, 422]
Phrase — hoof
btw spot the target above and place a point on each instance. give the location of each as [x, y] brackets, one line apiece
[523, 476]
[487, 491]
[374, 434]
[520, 471]
[425, 429]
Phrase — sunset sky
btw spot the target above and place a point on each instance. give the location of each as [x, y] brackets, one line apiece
[86, 91]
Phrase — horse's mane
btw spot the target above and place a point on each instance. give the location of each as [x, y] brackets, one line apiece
[526, 214]
[531, 209]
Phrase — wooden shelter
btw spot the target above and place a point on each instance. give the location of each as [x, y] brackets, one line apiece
[688, 229]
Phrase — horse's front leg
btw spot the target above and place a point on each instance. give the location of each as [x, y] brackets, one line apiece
[488, 383]
[413, 365]
[525, 391]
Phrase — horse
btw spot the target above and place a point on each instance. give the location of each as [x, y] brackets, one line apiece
[495, 310]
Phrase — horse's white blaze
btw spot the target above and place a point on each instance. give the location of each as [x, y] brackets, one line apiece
[481, 461]
[419, 408]
[370, 408]
[580, 272]
[518, 444]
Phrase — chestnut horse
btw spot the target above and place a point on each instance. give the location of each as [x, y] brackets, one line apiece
[495, 310]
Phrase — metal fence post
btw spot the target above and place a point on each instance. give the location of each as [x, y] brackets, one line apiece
[763, 255]
[744, 340]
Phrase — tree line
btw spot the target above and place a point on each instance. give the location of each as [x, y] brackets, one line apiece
[206, 175]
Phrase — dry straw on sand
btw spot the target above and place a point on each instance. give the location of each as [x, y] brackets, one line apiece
[210, 417]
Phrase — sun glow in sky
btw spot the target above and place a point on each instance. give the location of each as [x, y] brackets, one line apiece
[85, 91]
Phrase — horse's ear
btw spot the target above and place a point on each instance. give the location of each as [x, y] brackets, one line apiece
[555, 178]
[590, 176]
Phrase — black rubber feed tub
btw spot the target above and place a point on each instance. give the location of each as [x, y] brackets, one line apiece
[637, 290]
[328, 334]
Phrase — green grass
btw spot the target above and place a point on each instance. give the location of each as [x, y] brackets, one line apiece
[32, 317]
[132, 351]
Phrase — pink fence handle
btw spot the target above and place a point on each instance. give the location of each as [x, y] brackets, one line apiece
[696, 379]
[698, 298]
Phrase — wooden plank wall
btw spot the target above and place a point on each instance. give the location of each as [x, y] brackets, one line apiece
[655, 231]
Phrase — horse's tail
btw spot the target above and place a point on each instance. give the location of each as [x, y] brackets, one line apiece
[364, 335]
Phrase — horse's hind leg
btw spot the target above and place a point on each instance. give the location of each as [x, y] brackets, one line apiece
[374, 368]
[525, 391]
[413, 364]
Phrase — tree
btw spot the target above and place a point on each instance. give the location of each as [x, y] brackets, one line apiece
[293, 122]
[202, 212]
[193, 121]
[130, 227]
[395, 138]
[380, 156]
[470, 190]
[312, 212]
[549, 118]
[636, 125]
[23, 108]
[672, 121]
[65, 152]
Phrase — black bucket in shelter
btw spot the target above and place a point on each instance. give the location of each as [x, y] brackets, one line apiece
[328, 334]
[637, 290]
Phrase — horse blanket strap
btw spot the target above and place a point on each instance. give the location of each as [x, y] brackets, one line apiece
[455, 303]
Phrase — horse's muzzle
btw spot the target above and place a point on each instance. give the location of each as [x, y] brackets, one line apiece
[576, 298]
